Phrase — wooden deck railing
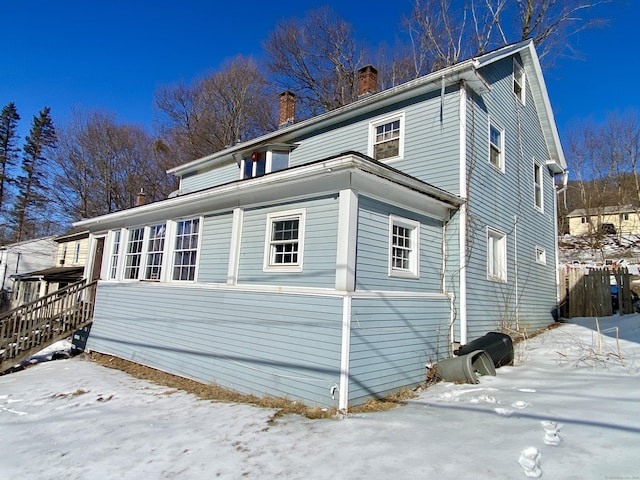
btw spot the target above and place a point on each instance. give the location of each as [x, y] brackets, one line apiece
[27, 329]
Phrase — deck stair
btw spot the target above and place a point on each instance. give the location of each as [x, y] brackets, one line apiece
[29, 328]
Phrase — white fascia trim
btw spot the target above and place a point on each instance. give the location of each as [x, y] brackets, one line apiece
[347, 240]
[343, 401]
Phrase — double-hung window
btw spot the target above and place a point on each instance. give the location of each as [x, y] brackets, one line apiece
[496, 255]
[155, 250]
[186, 249]
[496, 146]
[284, 245]
[133, 257]
[386, 137]
[115, 255]
[160, 252]
[537, 186]
[519, 81]
[404, 247]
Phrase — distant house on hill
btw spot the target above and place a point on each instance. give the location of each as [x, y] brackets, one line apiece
[330, 260]
[621, 220]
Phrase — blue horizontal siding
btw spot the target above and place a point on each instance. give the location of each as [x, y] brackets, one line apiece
[372, 267]
[214, 253]
[392, 339]
[320, 245]
[254, 343]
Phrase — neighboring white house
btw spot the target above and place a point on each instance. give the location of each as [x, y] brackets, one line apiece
[621, 220]
[23, 257]
[66, 267]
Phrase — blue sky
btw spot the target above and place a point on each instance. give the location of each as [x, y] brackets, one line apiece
[113, 55]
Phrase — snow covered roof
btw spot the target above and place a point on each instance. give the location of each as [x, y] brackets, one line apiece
[610, 210]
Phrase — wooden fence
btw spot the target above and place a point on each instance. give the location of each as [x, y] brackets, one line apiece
[588, 293]
[33, 326]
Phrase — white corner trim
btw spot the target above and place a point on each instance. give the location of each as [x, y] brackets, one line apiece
[343, 402]
[234, 249]
[347, 239]
[462, 218]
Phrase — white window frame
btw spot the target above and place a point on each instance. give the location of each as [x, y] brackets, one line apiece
[538, 186]
[173, 249]
[519, 85]
[378, 122]
[76, 253]
[499, 148]
[270, 245]
[115, 242]
[496, 255]
[541, 255]
[268, 162]
[412, 251]
[139, 254]
[152, 253]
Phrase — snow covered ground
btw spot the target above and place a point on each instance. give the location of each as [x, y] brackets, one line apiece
[568, 409]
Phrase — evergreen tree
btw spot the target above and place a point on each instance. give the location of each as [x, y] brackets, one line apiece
[8, 155]
[31, 199]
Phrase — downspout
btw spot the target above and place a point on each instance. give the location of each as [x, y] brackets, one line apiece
[462, 297]
[565, 180]
[516, 306]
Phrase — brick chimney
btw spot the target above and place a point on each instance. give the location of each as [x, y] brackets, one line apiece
[287, 108]
[367, 81]
[141, 198]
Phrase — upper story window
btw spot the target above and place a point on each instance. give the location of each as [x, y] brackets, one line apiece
[496, 255]
[519, 80]
[284, 245]
[496, 146]
[541, 255]
[386, 137]
[63, 258]
[537, 186]
[624, 217]
[260, 162]
[583, 220]
[404, 251]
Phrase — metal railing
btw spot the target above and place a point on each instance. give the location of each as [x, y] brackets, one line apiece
[29, 328]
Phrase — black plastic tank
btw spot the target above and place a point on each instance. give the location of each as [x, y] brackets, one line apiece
[498, 345]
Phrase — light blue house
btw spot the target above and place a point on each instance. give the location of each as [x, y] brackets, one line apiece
[330, 260]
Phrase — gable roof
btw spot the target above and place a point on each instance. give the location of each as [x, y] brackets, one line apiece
[609, 210]
[467, 71]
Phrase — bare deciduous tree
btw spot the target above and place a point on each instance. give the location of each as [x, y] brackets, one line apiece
[317, 58]
[444, 32]
[227, 107]
[103, 165]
